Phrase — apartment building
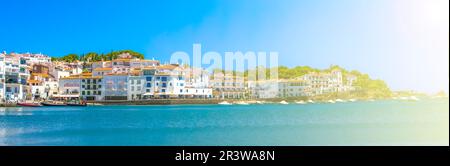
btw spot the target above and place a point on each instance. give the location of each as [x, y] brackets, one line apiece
[91, 87]
[228, 86]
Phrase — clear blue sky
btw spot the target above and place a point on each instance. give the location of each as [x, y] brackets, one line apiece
[404, 42]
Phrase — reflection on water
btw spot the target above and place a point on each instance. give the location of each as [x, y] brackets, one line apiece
[17, 111]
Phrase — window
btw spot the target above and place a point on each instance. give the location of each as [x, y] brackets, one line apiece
[83, 93]
[138, 88]
[149, 84]
[163, 78]
[149, 72]
[83, 80]
[147, 90]
[132, 88]
[148, 78]
[88, 93]
[99, 92]
[164, 85]
[138, 81]
[163, 90]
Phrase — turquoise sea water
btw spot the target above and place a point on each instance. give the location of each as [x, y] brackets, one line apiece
[389, 122]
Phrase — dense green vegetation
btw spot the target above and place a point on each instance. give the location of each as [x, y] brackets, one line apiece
[94, 57]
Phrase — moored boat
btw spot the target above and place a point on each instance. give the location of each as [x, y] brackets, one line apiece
[260, 102]
[340, 100]
[283, 102]
[413, 98]
[53, 104]
[242, 103]
[24, 104]
[224, 103]
[300, 102]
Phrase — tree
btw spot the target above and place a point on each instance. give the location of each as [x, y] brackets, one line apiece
[366, 86]
[95, 57]
[67, 58]
[91, 57]
[114, 54]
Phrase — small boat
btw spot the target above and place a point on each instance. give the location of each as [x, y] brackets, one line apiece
[340, 100]
[283, 102]
[413, 98]
[260, 102]
[53, 104]
[352, 100]
[300, 102]
[224, 103]
[310, 101]
[242, 103]
[24, 104]
[331, 101]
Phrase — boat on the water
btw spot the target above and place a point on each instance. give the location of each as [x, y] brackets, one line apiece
[340, 100]
[310, 101]
[224, 103]
[260, 102]
[25, 104]
[413, 98]
[331, 101]
[283, 102]
[352, 100]
[242, 103]
[53, 104]
[300, 102]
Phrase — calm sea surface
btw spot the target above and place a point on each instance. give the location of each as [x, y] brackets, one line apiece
[389, 122]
